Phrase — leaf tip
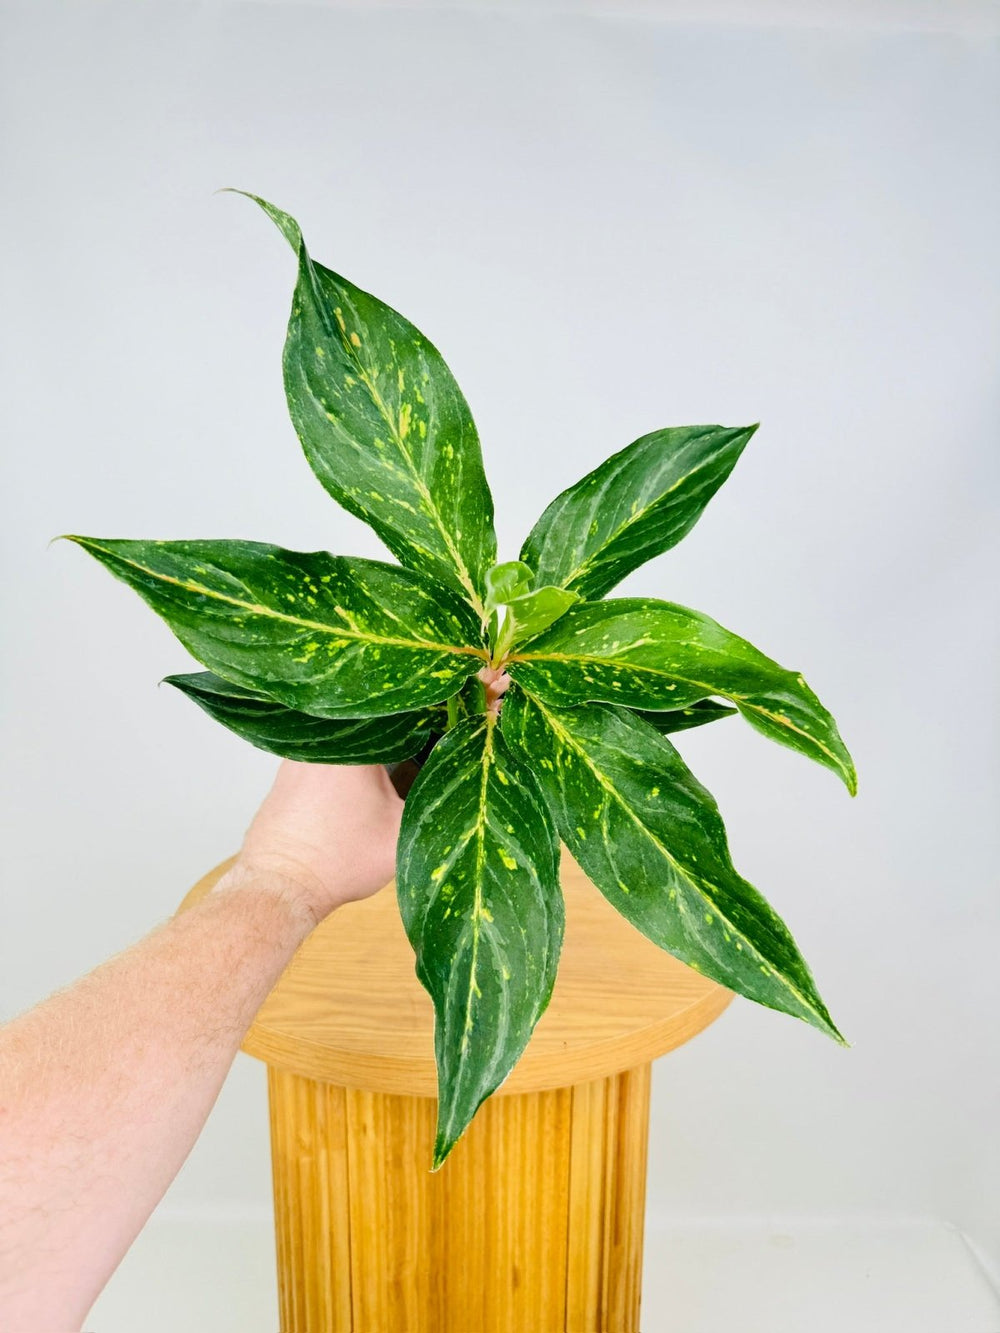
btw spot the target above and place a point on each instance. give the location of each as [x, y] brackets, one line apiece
[73, 537]
[285, 223]
[826, 1025]
[246, 194]
[442, 1151]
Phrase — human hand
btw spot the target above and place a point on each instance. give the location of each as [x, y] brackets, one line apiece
[325, 835]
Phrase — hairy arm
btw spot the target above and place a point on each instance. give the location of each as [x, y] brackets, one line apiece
[105, 1086]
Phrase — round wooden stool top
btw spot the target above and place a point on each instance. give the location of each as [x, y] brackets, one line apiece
[349, 1009]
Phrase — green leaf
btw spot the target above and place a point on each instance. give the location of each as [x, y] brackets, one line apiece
[529, 615]
[657, 655]
[384, 425]
[478, 885]
[272, 726]
[504, 581]
[683, 719]
[637, 504]
[649, 835]
[332, 636]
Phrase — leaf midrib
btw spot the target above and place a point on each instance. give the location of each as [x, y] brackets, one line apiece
[480, 859]
[257, 609]
[465, 577]
[477, 831]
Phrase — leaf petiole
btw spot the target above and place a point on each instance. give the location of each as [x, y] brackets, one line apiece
[452, 712]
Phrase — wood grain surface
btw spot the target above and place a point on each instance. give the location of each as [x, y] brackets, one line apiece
[534, 1224]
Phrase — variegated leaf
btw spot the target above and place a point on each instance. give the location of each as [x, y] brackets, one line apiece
[478, 886]
[332, 636]
[384, 425]
[657, 655]
[649, 835]
[272, 726]
[638, 503]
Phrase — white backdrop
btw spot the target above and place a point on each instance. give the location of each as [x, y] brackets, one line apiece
[608, 224]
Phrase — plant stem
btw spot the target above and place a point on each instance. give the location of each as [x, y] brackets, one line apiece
[452, 712]
[479, 692]
[495, 682]
[504, 639]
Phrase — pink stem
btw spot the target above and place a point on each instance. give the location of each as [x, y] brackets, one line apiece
[495, 681]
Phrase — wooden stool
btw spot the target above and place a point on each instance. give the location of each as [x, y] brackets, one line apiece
[535, 1222]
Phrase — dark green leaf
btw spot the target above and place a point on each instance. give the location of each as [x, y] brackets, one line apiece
[638, 503]
[650, 837]
[384, 425]
[649, 654]
[478, 886]
[683, 719]
[285, 731]
[332, 636]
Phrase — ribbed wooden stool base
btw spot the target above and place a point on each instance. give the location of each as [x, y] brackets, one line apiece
[534, 1225]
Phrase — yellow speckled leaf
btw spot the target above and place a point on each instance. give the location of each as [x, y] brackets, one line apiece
[637, 503]
[278, 729]
[384, 425]
[478, 884]
[656, 655]
[329, 635]
[651, 838]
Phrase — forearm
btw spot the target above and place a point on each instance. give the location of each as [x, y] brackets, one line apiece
[105, 1087]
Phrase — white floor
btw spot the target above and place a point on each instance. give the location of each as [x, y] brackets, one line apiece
[215, 1275]
[814, 1277]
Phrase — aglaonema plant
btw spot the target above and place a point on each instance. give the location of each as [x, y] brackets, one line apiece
[542, 710]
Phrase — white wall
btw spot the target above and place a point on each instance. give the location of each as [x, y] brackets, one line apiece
[608, 224]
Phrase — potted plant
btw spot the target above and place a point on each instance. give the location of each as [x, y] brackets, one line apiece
[539, 708]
